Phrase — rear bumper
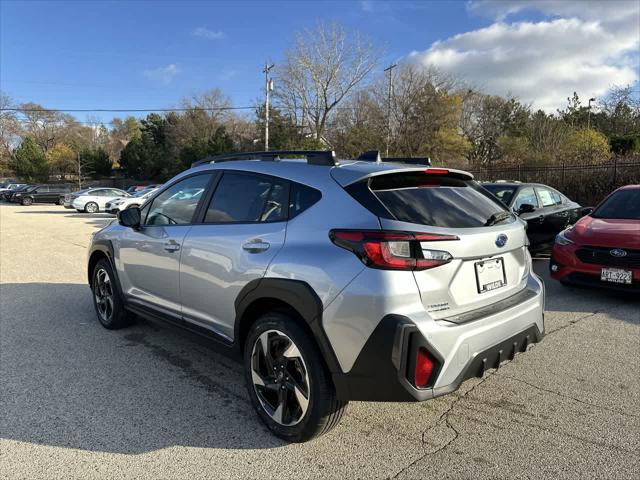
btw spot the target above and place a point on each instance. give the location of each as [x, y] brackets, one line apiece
[383, 370]
[567, 267]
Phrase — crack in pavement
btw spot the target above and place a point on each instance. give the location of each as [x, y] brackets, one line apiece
[445, 415]
[537, 387]
[577, 320]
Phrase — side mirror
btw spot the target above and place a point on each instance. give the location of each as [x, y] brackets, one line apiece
[586, 211]
[129, 217]
[526, 208]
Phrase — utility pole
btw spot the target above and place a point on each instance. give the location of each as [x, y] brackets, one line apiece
[589, 113]
[390, 70]
[268, 86]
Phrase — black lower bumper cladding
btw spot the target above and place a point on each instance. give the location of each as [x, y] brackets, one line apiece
[383, 370]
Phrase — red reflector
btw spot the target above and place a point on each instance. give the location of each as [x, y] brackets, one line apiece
[437, 171]
[424, 368]
[434, 237]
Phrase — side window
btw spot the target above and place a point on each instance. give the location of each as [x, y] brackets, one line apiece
[545, 197]
[525, 196]
[302, 197]
[99, 193]
[248, 198]
[557, 198]
[42, 189]
[177, 204]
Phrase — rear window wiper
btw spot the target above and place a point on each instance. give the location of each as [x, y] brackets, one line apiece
[496, 218]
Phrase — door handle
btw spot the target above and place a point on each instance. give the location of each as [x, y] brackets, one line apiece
[172, 246]
[256, 246]
[541, 218]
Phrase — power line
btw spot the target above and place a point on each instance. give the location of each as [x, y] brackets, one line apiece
[118, 110]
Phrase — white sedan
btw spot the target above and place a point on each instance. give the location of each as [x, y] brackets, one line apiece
[122, 203]
[95, 199]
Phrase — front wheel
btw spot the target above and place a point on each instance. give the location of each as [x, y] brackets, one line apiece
[287, 379]
[27, 201]
[91, 207]
[106, 299]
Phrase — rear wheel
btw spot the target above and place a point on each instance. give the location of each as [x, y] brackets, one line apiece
[27, 201]
[106, 298]
[91, 207]
[287, 380]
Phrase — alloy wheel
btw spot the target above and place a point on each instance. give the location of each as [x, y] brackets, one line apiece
[280, 377]
[91, 208]
[103, 291]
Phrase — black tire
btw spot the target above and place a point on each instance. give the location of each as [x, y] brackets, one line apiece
[79, 210]
[116, 317]
[91, 207]
[27, 201]
[324, 410]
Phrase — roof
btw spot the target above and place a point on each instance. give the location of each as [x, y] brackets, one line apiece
[345, 172]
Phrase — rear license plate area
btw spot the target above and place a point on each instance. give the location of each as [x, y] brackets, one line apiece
[616, 275]
[490, 275]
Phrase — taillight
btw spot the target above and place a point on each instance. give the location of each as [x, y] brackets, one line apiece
[424, 368]
[393, 250]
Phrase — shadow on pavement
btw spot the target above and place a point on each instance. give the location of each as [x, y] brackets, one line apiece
[66, 381]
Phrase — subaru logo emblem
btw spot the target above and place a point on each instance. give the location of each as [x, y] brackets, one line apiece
[617, 252]
[501, 240]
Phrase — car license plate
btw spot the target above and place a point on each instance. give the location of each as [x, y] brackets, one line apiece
[490, 275]
[616, 275]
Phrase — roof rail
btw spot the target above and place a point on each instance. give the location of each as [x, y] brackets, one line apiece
[374, 156]
[314, 157]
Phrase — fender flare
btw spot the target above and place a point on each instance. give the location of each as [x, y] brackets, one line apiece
[301, 297]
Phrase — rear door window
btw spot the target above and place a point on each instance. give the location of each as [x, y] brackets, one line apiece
[546, 197]
[248, 198]
[302, 197]
[436, 200]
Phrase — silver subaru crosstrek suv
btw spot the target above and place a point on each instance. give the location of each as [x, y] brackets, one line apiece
[331, 280]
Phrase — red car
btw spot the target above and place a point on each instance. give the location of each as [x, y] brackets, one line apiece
[603, 248]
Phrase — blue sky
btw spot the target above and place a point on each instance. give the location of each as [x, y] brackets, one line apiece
[150, 54]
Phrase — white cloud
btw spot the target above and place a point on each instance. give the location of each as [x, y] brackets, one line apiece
[585, 47]
[163, 75]
[208, 34]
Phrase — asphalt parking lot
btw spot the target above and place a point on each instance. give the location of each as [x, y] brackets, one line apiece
[79, 401]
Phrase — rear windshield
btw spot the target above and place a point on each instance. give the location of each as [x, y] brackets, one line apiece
[503, 192]
[438, 200]
[623, 204]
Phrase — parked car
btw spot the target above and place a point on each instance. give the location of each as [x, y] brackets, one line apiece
[8, 192]
[93, 200]
[11, 196]
[137, 188]
[546, 211]
[332, 282]
[9, 187]
[122, 203]
[41, 194]
[603, 248]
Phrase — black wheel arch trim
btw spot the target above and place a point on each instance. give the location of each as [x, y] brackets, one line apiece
[105, 247]
[301, 297]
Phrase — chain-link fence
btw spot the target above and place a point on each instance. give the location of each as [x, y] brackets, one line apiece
[586, 184]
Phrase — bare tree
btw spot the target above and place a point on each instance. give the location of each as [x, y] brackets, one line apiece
[321, 70]
[10, 131]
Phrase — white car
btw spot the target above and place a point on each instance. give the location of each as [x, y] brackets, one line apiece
[122, 203]
[95, 199]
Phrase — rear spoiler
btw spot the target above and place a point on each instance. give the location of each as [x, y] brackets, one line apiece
[374, 156]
